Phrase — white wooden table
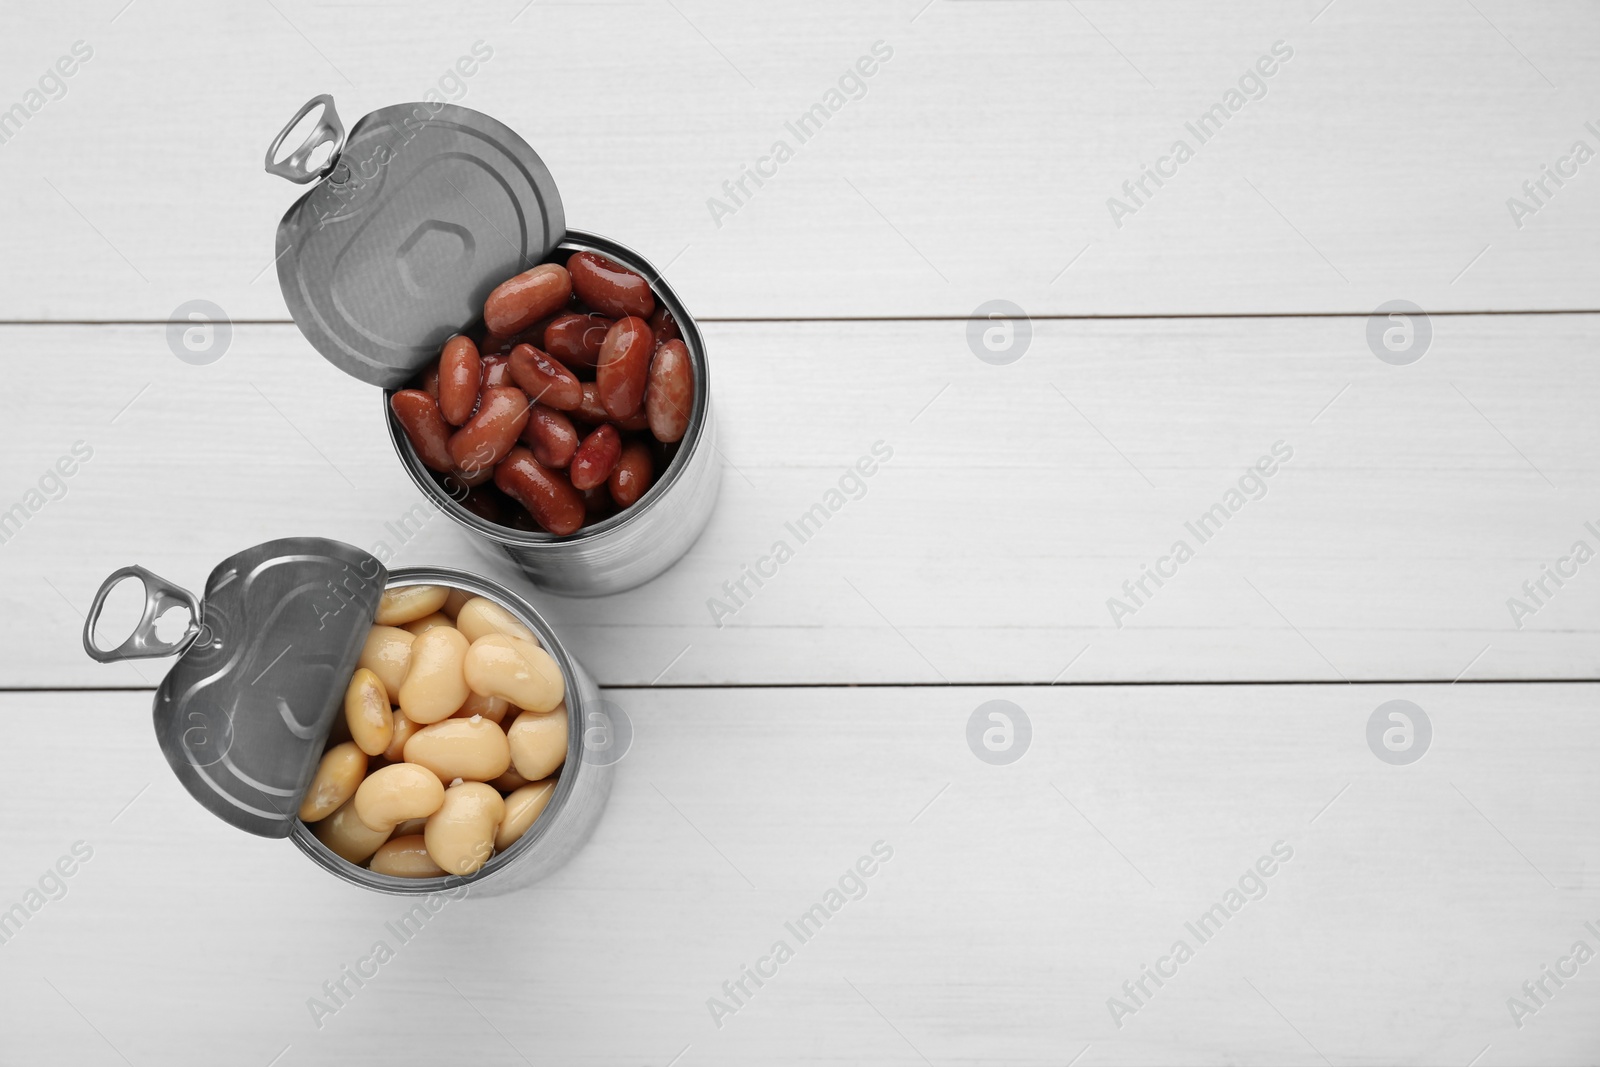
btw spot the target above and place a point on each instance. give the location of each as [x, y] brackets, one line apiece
[1173, 745]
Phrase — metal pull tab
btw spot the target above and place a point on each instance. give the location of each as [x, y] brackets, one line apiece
[297, 165]
[160, 596]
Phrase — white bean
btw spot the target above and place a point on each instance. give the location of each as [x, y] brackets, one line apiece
[522, 808]
[517, 670]
[460, 835]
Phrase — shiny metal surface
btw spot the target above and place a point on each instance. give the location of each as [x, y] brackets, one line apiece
[640, 542]
[428, 207]
[160, 596]
[329, 130]
[243, 715]
[581, 791]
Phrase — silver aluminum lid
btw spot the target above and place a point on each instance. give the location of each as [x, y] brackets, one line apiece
[417, 216]
[243, 716]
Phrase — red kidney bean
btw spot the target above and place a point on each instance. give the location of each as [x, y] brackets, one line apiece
[524, 300]
[544, 380]
[664, 326]
[551, 436]
[632, 475]
[576, 339]
[670, 396]
[425, 428]
[492, 432]
[595, 458]
[460, 377]
[590, 409]
[428, 381]
[546, 493]
[497, 372]
[624, 366]
[608, 286]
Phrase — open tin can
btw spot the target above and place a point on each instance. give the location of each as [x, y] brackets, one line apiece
[244, 715]
[416, 216]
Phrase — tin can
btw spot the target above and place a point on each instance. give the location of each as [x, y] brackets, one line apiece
[637, 543]
[416, 216]
[244, 715]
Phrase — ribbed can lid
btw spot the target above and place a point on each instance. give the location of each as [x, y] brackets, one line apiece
[414, 219]
[243, 716]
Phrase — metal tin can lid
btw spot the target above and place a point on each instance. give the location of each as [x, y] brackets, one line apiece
[243, 716]
[424, 210]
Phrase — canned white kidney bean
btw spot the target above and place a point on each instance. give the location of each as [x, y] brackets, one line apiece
[409, 603]
[477, 765]
[347, 836]
[366, 712]
[480, 617]
[387, 654]
[435, 687]
[538, 742]
[473, 749]
[400, 791]
[405, 857]
[460, 835]
[515, 670]
[522, 808]
[340, 772]
[318, 753]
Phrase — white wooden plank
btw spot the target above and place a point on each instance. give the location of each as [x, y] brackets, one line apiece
[1018, 899]
[1018, 500]
[978, 164]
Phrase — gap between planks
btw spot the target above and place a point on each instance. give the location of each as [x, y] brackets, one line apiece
[1166, 315]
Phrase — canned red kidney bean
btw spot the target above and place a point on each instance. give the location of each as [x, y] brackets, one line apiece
[551, 436]
[555, 437]
[631, 476]
[393, 812]
[669, 397]
[460, 378]
[518, 303]
[490, 434]
[544, 380]
[544, 493]
[430, 435]
[624, 368]
[664, 326]
[595, 458]
[575, 339]
[608, 287]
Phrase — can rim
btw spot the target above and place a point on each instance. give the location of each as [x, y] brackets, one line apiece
[579, 241]
[527, 614]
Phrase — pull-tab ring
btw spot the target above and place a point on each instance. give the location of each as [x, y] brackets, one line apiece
[160, 596]
[297, 165]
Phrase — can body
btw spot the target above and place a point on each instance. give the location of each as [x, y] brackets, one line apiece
[639, 542]
[581, 791]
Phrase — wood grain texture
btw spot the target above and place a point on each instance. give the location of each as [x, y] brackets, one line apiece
[1017, 900]
[776, 745]
[978, 163]
[1017, 501]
